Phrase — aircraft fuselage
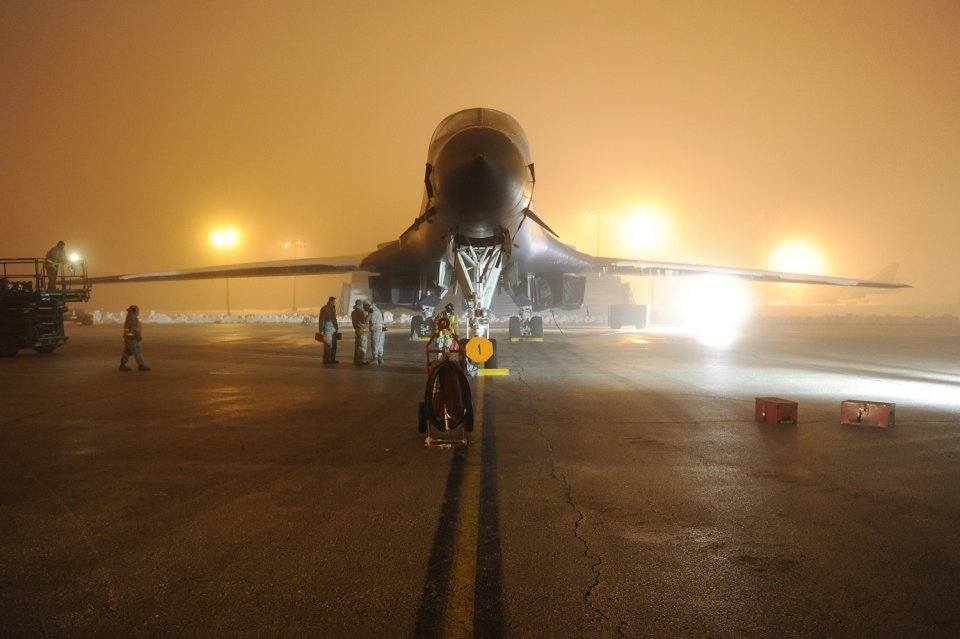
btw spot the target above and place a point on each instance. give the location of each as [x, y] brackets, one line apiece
[478, 187]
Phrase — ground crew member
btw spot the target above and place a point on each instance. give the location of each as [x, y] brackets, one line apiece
[132, 336]
[361, 333]
[446, 338]
[56, 257]
[328, 328]
[377, 330]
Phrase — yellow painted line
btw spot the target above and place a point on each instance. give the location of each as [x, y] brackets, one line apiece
[493, 372]
[458, 616]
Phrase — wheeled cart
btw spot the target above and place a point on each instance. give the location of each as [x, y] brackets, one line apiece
[446, 412]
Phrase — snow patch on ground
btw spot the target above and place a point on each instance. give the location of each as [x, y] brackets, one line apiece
[267, 317]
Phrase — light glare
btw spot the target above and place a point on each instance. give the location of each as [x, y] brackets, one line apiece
[712, 308]
[225, 238]
[797, 256]
[643, 227]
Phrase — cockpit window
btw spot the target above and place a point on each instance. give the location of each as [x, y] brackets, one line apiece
[502, 121]
[478, 117]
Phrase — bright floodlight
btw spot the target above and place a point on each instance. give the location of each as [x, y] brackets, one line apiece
[797, 256]
[74, 257]
[644, 227]
[711, 308]
[224, 238]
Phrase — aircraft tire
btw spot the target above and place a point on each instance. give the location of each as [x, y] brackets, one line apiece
[9, 345]
[536, 326]
[514, 327]
[422, 418]
[492, 362]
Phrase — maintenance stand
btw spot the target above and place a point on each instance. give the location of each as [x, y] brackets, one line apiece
[31, 309]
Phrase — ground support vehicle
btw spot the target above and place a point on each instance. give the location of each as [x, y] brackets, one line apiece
[31, 309]
[628, 315]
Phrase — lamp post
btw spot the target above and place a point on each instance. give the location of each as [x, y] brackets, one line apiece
[224, 239]
[595, 215]
[646, 228]
[295, 244]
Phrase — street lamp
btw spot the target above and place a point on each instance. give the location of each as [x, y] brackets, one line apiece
[224, 239]
[645, 229]
[295, 245]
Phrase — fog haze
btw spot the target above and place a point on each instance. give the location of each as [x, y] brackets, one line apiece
[131, 130]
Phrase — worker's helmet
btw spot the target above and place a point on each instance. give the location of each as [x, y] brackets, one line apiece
[331, 299]
[134, 308]
[358, 304]
[449, 308]
[61, 243]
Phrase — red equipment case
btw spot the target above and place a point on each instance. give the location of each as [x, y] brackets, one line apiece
[774, 410]
[856, 412]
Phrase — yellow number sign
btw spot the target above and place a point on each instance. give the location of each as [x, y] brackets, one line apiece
[479, 349]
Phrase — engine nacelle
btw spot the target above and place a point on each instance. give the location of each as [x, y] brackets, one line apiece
[558, 291]
[409, 290]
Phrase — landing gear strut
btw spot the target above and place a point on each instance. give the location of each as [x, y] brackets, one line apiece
[478, 269]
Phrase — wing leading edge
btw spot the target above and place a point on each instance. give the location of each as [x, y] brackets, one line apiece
[642, 267]
[308, 266]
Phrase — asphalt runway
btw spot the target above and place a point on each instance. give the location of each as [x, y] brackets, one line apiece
[616, 485]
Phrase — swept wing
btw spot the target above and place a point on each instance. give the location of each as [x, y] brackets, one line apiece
[307, 266]
[642, 267]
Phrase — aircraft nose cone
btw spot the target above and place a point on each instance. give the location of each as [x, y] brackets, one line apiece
[480, 174]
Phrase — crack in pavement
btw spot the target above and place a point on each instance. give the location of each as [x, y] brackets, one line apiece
[588, 553]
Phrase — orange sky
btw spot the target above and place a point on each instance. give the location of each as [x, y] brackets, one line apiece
[131, 129]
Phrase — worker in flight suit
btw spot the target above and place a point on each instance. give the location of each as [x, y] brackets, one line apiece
[377, 330]
[132, 336]
[328, 329]
[361, 332]
[56, 257]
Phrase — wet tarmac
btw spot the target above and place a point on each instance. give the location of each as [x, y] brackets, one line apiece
[617, 485]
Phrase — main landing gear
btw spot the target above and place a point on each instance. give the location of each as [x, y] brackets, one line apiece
[526, 326]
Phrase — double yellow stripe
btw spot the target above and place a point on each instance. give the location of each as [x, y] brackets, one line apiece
[459, 613]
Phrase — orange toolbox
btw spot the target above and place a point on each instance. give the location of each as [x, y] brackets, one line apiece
[856, 412]
[774, 410]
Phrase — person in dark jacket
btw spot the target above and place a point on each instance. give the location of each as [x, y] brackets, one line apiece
[132, 336]
[328, 328]
[56, 257]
